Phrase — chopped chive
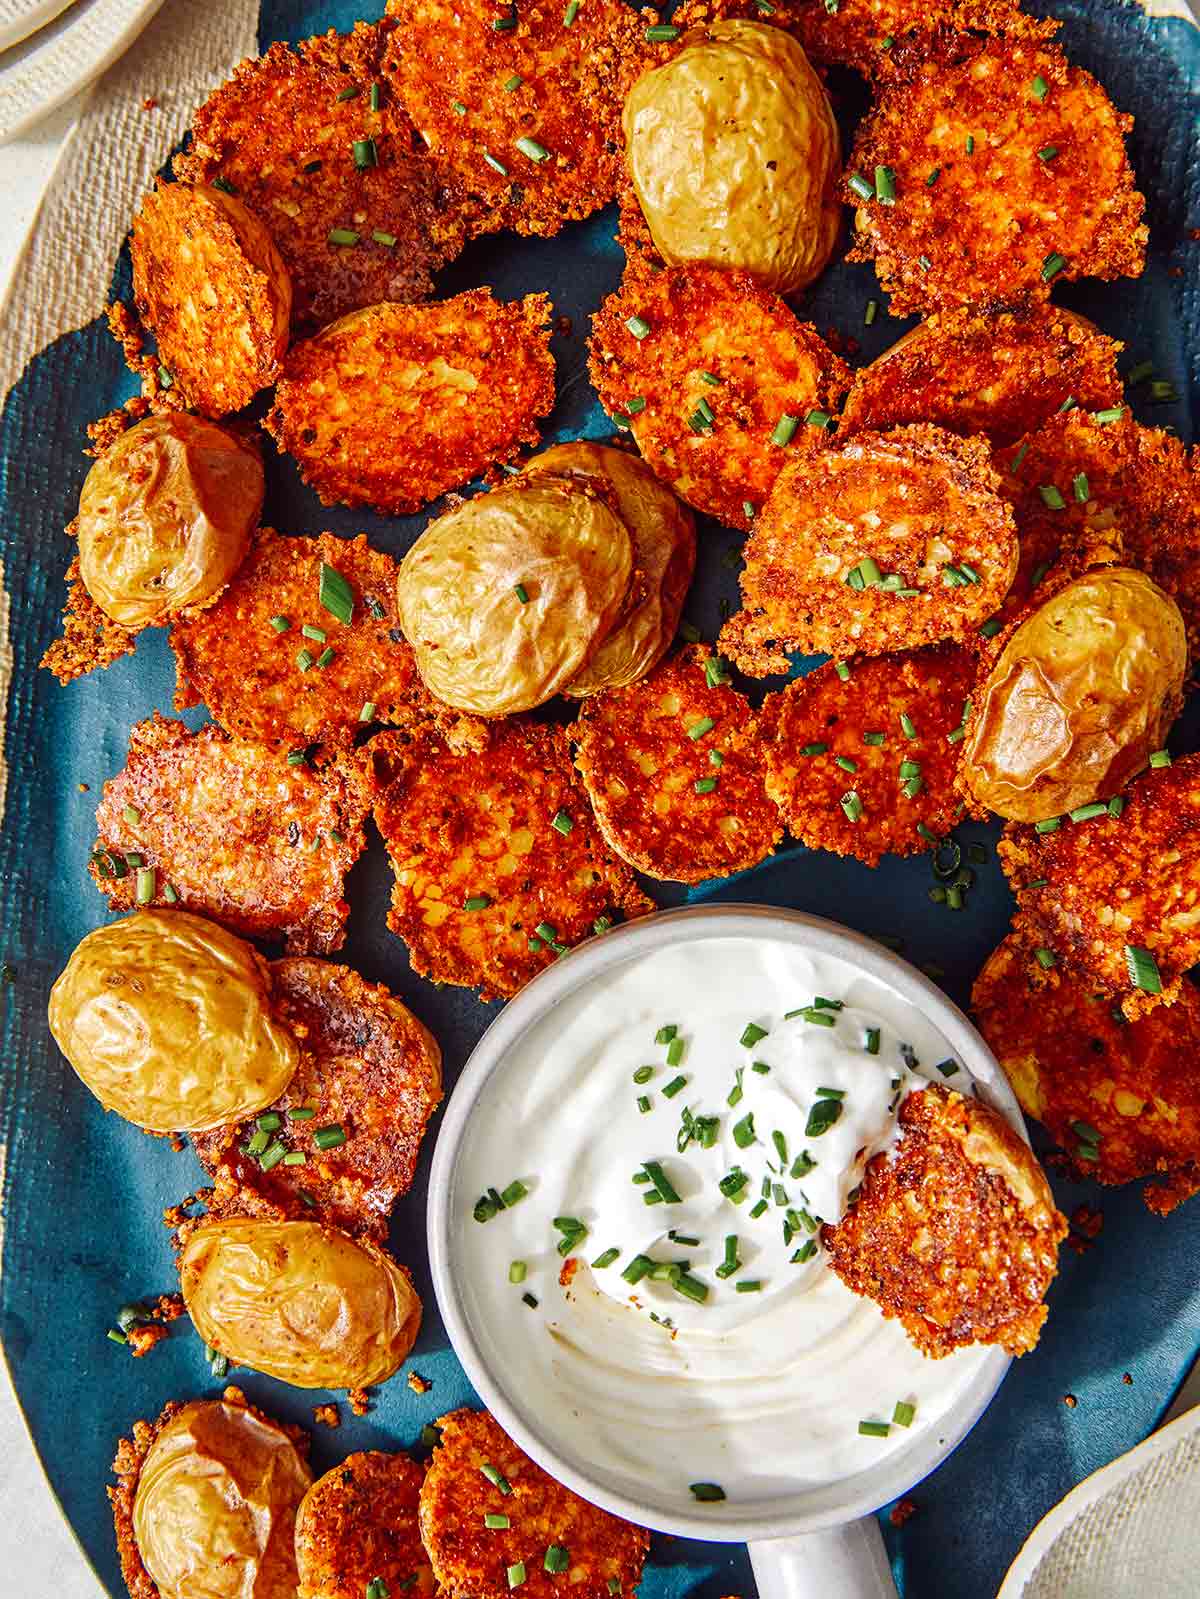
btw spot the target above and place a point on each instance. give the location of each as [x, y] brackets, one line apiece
[818, 419]
[785, 429]
[329, 1137]
[325, 657]
[851, 805]
[304, 659]
[272, 1155]
[1160, 758]
[871, 311]
[342, 236]
[280, 623]
[846, 764]
[562, 823]
[1051, 497]
[1084, 813]
[706, 1492]
[1143, 969]
[643, 1104]
[496, 166]
[690, 1287]
[824, 1113]
[743, 1132]
[885, 185]
[495, 1521]
[814, 749]
[842, 670]
[1040, 88]
[170, 893]
[665, 1034]
[1047, 152]
[531, 148]
[643, 1074]
[948, 1068]
[350, 92]
[367, 714]
[570, 13]
[301, 1113]
[675, 1051]
[1080, 485]
[458, 108]
[662, 1183]
[1048, 824]
[605, 1259]
[557, 1559]
[513, 1194]
[748, 1285]
[859, 186]
[640, 1266]
[1113, 413]
[365, 154]
[661, 33]
[969, 146]
[751, 1034]
[516, 1574]
[871, 1042]
[1052, 266]
[874, 1429]
[146, 879]
[673, 1087]
[698, 729]
[734, 1184]
[704, 785]
[903, 1414]
[638, 326]
[528, 1299]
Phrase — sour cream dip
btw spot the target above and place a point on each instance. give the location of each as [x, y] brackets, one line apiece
[636, 1209]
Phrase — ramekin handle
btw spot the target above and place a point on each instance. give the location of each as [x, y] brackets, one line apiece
[846, 1562]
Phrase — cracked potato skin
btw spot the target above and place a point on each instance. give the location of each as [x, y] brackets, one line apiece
[458, 826]
[470, 1561]
[229, 826]
[915, 500]
[992, 219]
[359, 1522]
[231, 659]
[932, 687]
[955, 1234]
[640, 766]
[1088, 889]
[281, 130]
[1001, 373]
[573, 86]
[367, 1065]
[769, 364]
[1073, 1060]
[393, 405]
[210, 285]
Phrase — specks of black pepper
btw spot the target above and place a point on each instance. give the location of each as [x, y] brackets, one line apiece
[1096, 1045]
[293, 833]
[772, 166]
[396, 636]
[362, 1038]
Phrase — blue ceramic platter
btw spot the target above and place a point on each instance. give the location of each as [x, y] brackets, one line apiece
[83, 1192]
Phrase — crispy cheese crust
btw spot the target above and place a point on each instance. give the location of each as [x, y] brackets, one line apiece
[212, 288]
[770, 365]
[462, 827]
[831, 719]
[359, 1522]
[282, 131]
[395, 404]
[234, 832]
[230, 657]
[1089, 890]
[642, 751]
[1136, 481]
[453, 68]
[918, 502]
[1121, 1098]
[955, 1234]
[997, 217]
[1002, 373]
[90, 639]
[368, 1066]
[471, 1561]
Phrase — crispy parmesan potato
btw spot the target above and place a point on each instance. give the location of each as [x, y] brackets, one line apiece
[228, 829]
[231, 658]
[298, 1300]
[359, 1522]
[1114, 898]
[507, 596]
[498, 864]
[393, 405]
[471, 1561]
[882, 38]
[1083, 690]
[1002, 218]
[672, 768]
[954, 1233]
[887, 541]
[773, 371]
[206, 1501]
[90, 639]
[1002, 373]
[841, 765]
[664, 555]
[366, 1065]
[1121, 1098]
[210, 285]
[532, 153]
[282, 132]
[1114, 478]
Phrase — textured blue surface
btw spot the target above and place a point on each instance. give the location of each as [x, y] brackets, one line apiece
[83, 1192]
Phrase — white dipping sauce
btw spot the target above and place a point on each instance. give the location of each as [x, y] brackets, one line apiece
[759, 1391]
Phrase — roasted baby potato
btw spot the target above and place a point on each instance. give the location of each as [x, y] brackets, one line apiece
[506, 597]
[1083, 691]
[395, 404]
[471, 1561]
[299, 1301]
[673, 769]
[369, 1069]
[887, 541]
[210, 285]
[999, 372]
[763, 198]
[1122, 1099]
[664, 555]
[206, 1501]
[955, 1232]
[168, 1019]
[358, 1525]
[958, 202]
[864, 763]
[717, 380]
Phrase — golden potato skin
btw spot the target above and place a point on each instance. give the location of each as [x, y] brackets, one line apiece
[733, 152]
[167, 1018]
[1083, 691]
[299, 1301]
[165, 517]
[359, 1522]
[478, 645]
[214, 1512]
[470, 1561]
[211, 286]
[663, 531]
